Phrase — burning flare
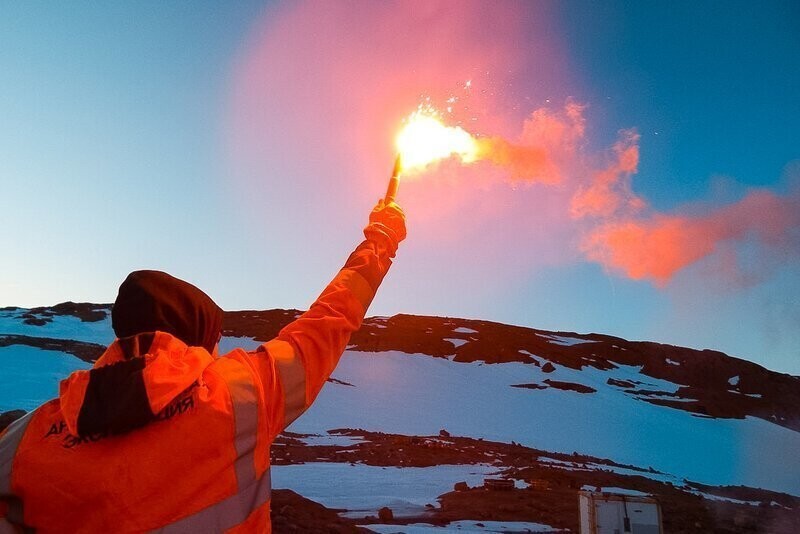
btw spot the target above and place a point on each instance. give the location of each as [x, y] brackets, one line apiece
[425, 139]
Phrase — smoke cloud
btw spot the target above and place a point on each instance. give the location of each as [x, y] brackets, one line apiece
[522, 162]
[609, 191]
[618, 229]
[659, 246]
[310, 101]
[548, 141]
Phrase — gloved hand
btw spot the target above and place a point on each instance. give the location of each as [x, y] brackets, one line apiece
[387, 225]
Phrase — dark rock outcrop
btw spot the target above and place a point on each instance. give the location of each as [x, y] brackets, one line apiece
[85, 311]
[385, 514]
[293, 513]
[88, 352]
[569, 386]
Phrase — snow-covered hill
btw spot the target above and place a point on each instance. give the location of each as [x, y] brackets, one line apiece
[418, 404]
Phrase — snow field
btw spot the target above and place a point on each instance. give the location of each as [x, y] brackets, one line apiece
[419, 395]
[364, 489]
[30, 375]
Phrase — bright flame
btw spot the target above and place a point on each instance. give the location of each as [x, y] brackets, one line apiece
[425, 139]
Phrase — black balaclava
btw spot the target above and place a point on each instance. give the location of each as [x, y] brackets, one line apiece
[154, 300]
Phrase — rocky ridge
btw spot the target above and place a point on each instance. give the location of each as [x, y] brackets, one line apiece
[710, 384]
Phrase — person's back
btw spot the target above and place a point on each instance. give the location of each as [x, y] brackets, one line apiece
[164, 435]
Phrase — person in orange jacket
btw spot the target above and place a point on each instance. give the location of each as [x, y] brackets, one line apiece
[162, 434]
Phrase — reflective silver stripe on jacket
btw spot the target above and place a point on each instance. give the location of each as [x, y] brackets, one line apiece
[227, 513]
[292, 373]
[251, 492]
[244, 396]
[8, 449]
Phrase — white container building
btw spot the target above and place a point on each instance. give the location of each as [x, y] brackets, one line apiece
[612, 513]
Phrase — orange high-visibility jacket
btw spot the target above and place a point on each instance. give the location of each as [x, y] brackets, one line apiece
[199, 459]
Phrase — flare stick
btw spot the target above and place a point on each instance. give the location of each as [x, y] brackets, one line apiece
[394, 182]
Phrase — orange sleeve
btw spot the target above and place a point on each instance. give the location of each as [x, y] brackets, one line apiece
[296, 364]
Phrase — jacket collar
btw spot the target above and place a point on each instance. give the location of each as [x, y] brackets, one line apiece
[125, 390]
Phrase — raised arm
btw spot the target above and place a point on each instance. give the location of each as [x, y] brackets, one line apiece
[307, 350]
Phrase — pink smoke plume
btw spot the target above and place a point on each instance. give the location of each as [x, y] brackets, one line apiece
[318, 94]
[547, 141]
[659, 246]
[620, 231]
[609, 190]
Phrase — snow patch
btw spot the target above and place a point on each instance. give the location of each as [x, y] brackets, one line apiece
[562, 464]
[568, 341]
[734, 380]
[456, 342]
[229, 343]
[673, 362]
[719, 498]
[669, 398]
[464, 330]
[463, 526]
[364, 489]
[336, 440]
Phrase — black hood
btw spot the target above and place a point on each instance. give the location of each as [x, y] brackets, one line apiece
[150, 301]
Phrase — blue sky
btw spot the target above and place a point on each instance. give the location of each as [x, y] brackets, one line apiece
[114, 155]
